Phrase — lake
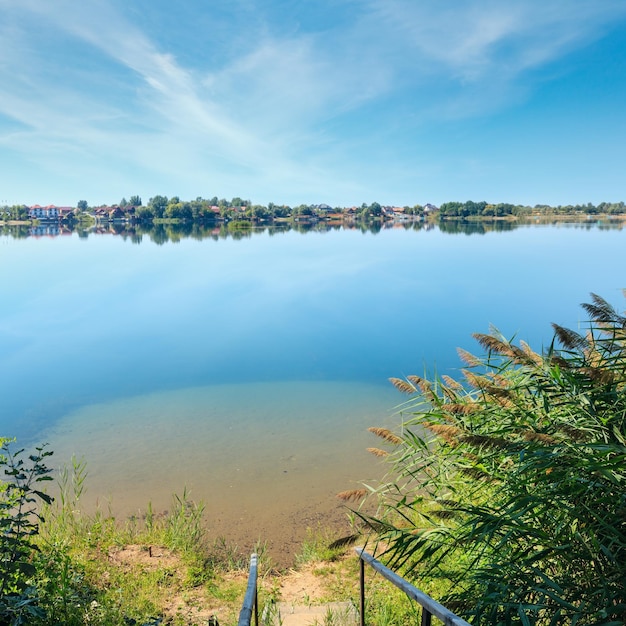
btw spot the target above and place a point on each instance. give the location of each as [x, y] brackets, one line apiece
[246, 367]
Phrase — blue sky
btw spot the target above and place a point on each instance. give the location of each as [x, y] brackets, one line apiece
[336, 101]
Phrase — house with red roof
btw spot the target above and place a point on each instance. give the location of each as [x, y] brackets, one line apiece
[49, 212]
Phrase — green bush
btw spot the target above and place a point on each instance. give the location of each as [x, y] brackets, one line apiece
[509, 485]
[19, 525]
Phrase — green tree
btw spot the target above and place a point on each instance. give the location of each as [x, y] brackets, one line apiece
[258, 212]
[282, 211]
[375, 209]
[135, 201]
[18, 212]
[303, 209]
[510, 484]
[173, 210]
[145, 213]
[82, 205]
[451, 209]
[158, 204]
[186, 212]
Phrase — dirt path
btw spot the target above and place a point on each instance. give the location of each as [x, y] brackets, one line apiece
[295, 597]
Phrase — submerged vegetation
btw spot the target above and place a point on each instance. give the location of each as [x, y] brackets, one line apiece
[509, 484]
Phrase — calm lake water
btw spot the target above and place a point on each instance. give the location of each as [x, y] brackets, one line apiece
[248, 369]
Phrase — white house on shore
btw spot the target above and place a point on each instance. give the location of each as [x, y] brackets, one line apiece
[49, 212]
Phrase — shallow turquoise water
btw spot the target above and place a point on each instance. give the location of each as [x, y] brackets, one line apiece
[241, 447]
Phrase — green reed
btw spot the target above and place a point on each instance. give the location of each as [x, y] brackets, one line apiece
[509, 484]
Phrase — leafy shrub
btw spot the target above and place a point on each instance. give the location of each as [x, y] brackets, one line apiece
[510, 484]
[19, 524]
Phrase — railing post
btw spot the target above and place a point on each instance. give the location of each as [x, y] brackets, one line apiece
[430, 606]
[362, 586]
[250, 601]
[256, 606]
[426, 617]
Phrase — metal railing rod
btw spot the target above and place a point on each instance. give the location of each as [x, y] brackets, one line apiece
[250, 600]
[430, 606]
[362, 587]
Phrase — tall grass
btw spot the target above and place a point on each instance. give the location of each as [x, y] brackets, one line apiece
[509, 484]
[61, 565]
[170, 553]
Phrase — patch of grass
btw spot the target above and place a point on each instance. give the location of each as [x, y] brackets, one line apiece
[96, 569]
[320, 544]
[345, 616]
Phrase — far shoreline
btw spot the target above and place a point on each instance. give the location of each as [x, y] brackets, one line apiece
[523, 219]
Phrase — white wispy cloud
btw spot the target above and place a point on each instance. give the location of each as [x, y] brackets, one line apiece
[271, 112]
[477, 40]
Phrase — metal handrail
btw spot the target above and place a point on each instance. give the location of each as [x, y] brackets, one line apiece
[430, 607]
[250, 600]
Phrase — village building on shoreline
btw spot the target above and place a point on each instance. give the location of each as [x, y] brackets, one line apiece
[214, 211]
[132, 213]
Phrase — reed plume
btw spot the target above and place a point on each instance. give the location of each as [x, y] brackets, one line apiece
[492, 386]
[448, 433]
[448, 503]
[601, 311]
[444, 514]
[476, 474]
[563, 363]
[533, 357]
[452, 383]
[425, 387]
[450, 394]
[378, 452]
[575, 434]
[402, 385]
[474, 380]
[416, 380]
[569, 339]
[466, 408]
[592, 355]
[599, 374]
[468, 358]
[352, 494]
[493, 344]
[386, 434]
[531, 435]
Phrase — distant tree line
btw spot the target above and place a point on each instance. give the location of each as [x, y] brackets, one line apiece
[485, 209]
[16, 212]
[220, 209]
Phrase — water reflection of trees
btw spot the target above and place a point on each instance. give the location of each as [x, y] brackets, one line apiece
[464, 227]
[162, 233]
